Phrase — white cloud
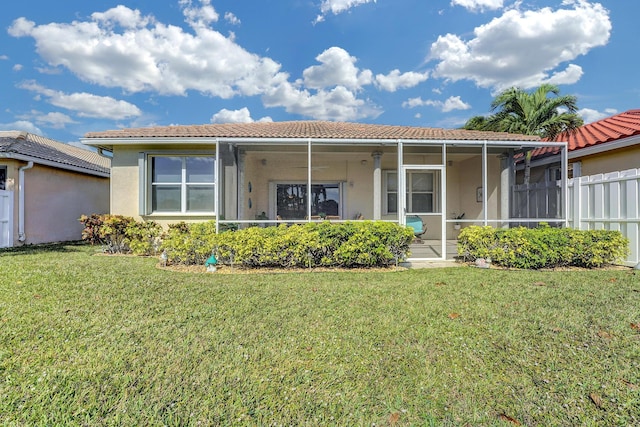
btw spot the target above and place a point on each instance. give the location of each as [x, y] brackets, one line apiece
[17, 67]
[338, 6]
[589, 115]
[450, 104]
[3, 57]
[396, 80]
[54, 120]
[242, 115]
[476, 5]
[22, 125]
[338, 103]
[231, 18]
[86, 104]
[121, 48]
[337, 69]
[524, 49]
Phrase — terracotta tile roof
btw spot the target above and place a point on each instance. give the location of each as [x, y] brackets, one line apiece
[307, 129]
[37, 148]
[614, 128]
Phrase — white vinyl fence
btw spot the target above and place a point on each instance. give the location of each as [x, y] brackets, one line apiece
[608, 201]
[6, 219]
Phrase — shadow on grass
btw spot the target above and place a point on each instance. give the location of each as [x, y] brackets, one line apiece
[59, 247]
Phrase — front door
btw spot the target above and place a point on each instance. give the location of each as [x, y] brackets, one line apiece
[422, 209]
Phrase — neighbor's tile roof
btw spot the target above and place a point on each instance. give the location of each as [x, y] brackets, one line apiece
[614, 128]
[35, 147]
[307, 129]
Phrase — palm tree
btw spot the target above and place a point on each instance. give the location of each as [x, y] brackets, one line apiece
[530, 113]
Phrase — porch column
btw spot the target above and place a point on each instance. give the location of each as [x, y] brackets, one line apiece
[241, 198]
[377, 184]
[506, 164]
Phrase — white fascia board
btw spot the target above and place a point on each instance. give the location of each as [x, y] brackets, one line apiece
[110, 142]
[56, 165]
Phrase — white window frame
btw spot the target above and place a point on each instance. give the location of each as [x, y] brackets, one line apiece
[147, 184]
[385, 191]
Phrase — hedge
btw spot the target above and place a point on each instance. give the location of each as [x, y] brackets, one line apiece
[349, 244]
[543, 247]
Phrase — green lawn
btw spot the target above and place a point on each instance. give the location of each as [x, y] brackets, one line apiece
[99, 340]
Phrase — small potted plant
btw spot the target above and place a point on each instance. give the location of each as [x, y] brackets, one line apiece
[456, 216]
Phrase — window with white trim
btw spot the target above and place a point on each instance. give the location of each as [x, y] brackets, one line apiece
[421, 196]
[182, 184]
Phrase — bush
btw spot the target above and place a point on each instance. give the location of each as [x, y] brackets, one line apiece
[189, 244]
[121, 234]
[347, 244]
[144, 237]
[108, 231]
[542, 247]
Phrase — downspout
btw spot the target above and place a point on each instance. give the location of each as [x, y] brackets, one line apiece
[21, 235]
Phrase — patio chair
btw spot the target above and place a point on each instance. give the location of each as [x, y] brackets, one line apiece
[419, 227]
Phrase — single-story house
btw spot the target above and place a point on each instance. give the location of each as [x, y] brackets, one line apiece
[45, 186]
[287, 172]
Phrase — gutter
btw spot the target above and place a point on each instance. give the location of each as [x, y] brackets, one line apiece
[22, 237]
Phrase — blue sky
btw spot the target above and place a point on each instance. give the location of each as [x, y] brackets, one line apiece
[75, 66]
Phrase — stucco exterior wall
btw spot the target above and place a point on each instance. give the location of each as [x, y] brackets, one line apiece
[125, 182]
[54, 200]
[610, 161]
[353, 170]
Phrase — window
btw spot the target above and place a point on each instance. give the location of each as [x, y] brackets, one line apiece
[291, 200]
[3, 177]
[420, 197]
[182, 184]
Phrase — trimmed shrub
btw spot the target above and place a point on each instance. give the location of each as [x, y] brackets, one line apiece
[349, 244]
[542, 247]
[189, 244]
[144, 237]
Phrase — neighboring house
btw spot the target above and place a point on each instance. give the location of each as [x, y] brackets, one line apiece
[604, 170]
[286, 172]
[45, 186]
[607, 145]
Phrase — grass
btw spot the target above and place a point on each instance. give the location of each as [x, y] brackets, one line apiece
[98, 340]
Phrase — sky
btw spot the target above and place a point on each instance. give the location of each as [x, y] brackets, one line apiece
[75, 66]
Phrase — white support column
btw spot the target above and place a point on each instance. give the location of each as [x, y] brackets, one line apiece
[241, 187]
[506, 163]
[309, 179]
[377, 185]
[217, 187]
[402, 188]
[484, 184]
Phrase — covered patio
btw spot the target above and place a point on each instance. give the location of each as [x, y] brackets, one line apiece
[265, 183]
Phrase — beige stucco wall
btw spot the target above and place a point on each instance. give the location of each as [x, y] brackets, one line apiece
[125, 182]
[54, 200]
[610, 161]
